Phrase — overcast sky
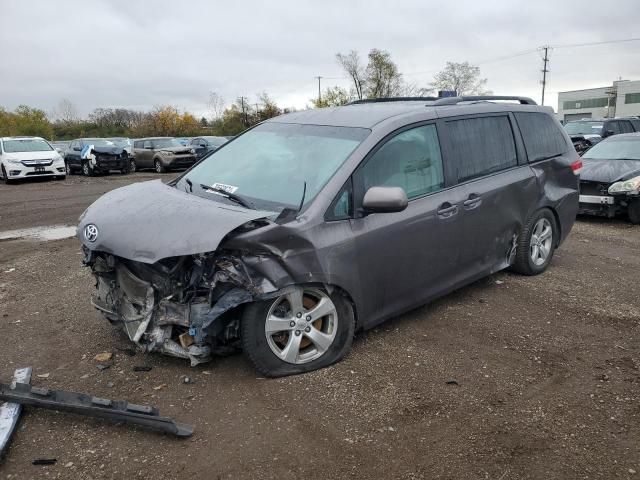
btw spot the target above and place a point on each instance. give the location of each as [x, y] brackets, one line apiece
[137, 54]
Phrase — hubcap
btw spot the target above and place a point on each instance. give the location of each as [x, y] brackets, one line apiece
[132, 166]
[68, 169]
[541, 241]
[85, 169]
[301, 326]
[158, 167]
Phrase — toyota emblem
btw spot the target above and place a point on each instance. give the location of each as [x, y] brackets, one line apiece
[91, 232]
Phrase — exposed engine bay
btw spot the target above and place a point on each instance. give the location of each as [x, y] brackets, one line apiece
[181, 306]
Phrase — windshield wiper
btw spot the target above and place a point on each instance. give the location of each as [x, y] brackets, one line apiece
[231, 196]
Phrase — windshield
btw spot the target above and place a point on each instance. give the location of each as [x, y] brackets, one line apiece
[98, 142]
[166, 143]
[216, 141]
[120, 142]
[583, 128]
[26, 145]
[270, 164]
[615, 149]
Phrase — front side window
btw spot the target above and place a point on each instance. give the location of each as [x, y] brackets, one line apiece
[481, 146]
[542, 137]
[410, 160]
[614, 127]
[167, 143]
[147, 145]
[26, 145]
[270, 164]
[625, 127]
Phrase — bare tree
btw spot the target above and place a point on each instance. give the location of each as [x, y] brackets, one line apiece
[215, 105]
[351, 64]
[462, 78]
[65, 111]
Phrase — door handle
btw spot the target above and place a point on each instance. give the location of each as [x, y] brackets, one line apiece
[472, 202]
[447, 210]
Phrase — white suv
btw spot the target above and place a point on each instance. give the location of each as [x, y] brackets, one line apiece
[23, 157]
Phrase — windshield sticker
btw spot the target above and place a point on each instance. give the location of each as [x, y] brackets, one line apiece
[225, 188]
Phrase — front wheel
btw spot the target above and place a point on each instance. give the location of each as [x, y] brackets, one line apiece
[5, 177]
[536, 244]
[633, 210]
[68, 169]
[300, 331]
[87, 171]
[159, 167]
[132, 166]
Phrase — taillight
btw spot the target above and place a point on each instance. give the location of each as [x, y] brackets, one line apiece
[577, 166]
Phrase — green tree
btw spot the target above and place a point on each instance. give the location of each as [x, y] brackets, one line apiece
[31, 121]
[332, 97]
[382, 76]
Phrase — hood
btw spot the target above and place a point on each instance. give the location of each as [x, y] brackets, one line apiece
[46, 155]
[180, 149]
[609, 171]
[149, 221]
[108, 150]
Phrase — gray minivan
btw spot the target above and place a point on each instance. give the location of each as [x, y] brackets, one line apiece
[316, 224]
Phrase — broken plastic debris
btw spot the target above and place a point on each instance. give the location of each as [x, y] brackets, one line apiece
[10, 270]
[43, 375]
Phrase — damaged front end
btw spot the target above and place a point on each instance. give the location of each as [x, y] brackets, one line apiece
[181, 306]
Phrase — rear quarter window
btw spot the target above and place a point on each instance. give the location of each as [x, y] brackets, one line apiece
[481, 146]
[541, 136]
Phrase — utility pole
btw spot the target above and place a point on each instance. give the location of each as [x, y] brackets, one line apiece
[244, 113]
[319, 94]
[545, 70]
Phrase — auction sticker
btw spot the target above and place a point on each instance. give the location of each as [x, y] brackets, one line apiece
[224, 188]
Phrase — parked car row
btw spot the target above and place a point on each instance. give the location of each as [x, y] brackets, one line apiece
[587, 132]
[22, 157]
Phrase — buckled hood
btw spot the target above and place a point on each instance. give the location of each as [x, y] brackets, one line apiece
[149, 221]
[609, 171]
[109, 150]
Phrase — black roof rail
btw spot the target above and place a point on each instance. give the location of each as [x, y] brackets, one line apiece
[481, 98]
[392, 99]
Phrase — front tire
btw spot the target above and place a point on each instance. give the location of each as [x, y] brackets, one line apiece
[5, 177]
[159, 167]
[87, 171]
[536, 244]
[132, 166]
[68, 168]
[297, 332]
[633, 211]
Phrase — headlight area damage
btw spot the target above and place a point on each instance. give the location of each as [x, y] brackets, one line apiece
[181, 306]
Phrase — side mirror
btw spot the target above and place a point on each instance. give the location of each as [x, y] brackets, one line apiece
[384, 200]
[608, 133]
[77, 149]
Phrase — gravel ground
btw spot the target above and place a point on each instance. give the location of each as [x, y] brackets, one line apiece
[512, 377]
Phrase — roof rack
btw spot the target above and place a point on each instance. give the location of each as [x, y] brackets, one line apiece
[392, 99]
[481, 98]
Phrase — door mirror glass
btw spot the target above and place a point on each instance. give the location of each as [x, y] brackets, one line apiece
[385, 200]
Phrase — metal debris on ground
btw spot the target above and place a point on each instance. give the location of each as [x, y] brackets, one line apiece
[10, 412]
[142, 368]
[44, 461]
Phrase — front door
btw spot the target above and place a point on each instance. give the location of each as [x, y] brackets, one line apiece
[409, 257]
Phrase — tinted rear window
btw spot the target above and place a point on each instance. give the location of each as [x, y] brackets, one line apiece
[481, 146]
[542, 137]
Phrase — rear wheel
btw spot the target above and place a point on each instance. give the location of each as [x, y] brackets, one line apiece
[633, 210]
[297, 332]
[536, 244]
[159, 167]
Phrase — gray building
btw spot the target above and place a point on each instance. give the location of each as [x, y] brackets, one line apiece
[621, 99]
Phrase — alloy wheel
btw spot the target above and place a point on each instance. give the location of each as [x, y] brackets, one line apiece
[541, 241]
[301, 326]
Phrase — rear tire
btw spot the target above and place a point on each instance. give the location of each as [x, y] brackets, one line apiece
[157, 164]
[319, 337]
[633, 211]
[536, 244]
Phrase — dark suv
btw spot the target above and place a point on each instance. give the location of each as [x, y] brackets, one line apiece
[318, 223]
[93, 156]
[162, 154]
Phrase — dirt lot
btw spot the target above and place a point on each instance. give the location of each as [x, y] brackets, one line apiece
[546, 371]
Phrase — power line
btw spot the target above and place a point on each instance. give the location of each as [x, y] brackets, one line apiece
[622, 40]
